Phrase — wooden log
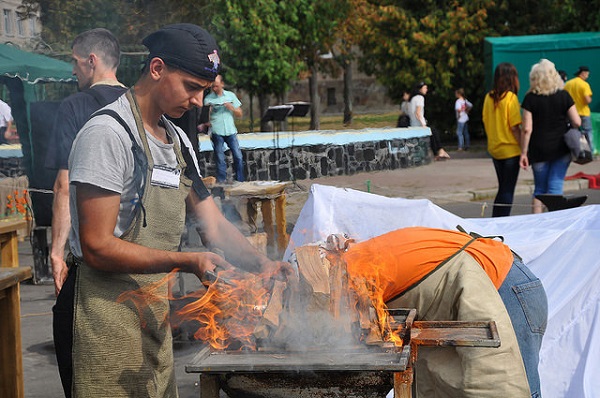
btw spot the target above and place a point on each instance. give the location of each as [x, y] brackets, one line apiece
[275, 305]
[281, 223]
[313, 269]
[337, 289]
[270, 319]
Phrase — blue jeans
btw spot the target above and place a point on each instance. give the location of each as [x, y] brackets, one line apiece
[462, 132]
[586, 128]
[527, 305]
[219, 154]
[507, 171]
[549, 177]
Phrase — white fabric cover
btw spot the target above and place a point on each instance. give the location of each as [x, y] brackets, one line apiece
[562, 248]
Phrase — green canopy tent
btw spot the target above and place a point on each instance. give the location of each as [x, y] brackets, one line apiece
[26, 75]
[20, 71]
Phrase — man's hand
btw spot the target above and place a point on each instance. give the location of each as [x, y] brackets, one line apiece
[59, 272]
[207, 261]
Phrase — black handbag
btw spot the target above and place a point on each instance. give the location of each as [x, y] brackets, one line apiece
[579, 145]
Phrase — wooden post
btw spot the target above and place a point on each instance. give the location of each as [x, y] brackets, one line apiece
[281, 223]
[11, 362]
[266, 209]
[403, 383]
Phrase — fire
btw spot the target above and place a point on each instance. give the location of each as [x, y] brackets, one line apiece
[368, 282]
[340, 299]
[229, 311]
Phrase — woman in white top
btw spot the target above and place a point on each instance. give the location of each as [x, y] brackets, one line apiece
[462, 106]
[417, 119]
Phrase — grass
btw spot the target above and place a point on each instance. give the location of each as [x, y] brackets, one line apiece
[370, 120]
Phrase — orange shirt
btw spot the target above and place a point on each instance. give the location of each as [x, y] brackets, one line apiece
[399, 259]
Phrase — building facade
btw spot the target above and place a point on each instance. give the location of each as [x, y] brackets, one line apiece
[22, 33]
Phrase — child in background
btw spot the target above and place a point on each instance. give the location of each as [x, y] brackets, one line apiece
[462, 106]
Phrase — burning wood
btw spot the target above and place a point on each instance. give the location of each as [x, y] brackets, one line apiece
[326, 308]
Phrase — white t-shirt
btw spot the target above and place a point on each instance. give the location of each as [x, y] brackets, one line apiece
[417, 101]
[5, 114]
[461, 106]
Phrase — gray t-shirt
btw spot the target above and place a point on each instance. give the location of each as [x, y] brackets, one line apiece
[102, 156]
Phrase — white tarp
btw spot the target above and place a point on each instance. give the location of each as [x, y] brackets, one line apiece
[562, 248]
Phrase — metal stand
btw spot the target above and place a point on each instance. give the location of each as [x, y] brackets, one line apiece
[277, 114]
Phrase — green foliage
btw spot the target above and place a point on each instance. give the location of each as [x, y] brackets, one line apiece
[441, 42]
[253, 37]
[266, 44]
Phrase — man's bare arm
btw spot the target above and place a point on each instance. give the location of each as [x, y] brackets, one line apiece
[61, 225]
[98, 210]
[217, 232]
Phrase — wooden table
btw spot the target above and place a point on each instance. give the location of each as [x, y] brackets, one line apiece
[11, 362]
[268, 194]
[9, 243]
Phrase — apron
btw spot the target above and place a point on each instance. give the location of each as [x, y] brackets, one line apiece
[120, 350]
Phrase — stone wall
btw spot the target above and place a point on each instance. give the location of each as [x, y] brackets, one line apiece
[12, 167]
[309, 162]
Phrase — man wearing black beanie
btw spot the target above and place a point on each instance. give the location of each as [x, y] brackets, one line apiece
[133, 177]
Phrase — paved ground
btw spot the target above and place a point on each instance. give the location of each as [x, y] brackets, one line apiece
[461, 184]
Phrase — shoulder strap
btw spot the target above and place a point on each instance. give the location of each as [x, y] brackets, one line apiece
[139, 157]
[477, 236]
[190, 170]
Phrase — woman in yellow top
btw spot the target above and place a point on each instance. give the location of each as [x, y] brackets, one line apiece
[502, 123]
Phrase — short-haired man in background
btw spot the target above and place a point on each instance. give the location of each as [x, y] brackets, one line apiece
[95, 55]
[224, 106]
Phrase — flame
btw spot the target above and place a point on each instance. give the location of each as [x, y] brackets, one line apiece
[228, 312]
[367, 268]
[231, 313]
[147, 295]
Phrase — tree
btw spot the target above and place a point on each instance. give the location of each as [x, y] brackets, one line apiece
[253, 37]
[441, 41]
[348, 35]
[317, 22]
[438, 42]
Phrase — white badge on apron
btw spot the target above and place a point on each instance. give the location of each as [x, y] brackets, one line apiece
[164, 176]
